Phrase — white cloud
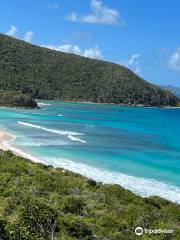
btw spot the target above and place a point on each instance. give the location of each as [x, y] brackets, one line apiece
[52, 5]
[12, 31]
[93, 52]
[99, 14]
[28, 36]
[133, 59]
[132, 63]
[73, 17]
[174, 60]
[69, 48]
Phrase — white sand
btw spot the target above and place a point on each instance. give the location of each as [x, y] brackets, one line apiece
[4, 138]
[5, 145]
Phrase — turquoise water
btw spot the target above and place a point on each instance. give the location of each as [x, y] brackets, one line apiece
[138, 148]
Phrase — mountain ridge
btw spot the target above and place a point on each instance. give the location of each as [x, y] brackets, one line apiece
[173, 89]
[47, 74]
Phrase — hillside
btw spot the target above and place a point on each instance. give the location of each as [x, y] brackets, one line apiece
[48, 74]
[174, 90]
[42, 202]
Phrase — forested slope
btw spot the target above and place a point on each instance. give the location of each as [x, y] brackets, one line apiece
[48, 74]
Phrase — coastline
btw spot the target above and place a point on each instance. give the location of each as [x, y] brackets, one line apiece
[105, 103]
[5, 137]
[51, 195]
[127, 182]
[5, 140]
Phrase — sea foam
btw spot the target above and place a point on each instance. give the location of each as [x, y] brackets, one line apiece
[43, 104]
[69, 134]
[141, 186]
[76, 139]
[138, 185]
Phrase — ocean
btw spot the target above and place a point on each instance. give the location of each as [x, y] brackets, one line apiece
[135, 147]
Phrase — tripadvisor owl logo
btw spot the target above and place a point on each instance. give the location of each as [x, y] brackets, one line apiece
[139, 231]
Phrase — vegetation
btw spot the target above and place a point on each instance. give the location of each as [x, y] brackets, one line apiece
[48, 74]
[16, 99]
[39, 202]
[174, 90]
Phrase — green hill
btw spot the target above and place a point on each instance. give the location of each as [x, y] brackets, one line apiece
[48, 74]
[39, 202]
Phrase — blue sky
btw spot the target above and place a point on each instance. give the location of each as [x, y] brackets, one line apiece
[142, 35]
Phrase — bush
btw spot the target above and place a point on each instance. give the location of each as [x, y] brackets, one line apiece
[42, 203]
[78, 230]
[73, 205]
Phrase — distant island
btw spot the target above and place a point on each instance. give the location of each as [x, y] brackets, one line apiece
[47, 74]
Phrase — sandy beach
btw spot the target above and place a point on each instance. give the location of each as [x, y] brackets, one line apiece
[5, 145]
[4, 139]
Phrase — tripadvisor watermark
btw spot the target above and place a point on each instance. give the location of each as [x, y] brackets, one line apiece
[139, 231]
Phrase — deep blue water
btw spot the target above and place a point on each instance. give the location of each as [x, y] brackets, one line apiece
[138, 148]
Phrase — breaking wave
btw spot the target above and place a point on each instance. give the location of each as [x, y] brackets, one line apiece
[69, 134]
[141, 186]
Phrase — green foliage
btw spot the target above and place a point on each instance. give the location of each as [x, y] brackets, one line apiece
[39, 219]
[16, 99]
[3, 234]
[48, 74]
[39, 202]
[72, 204]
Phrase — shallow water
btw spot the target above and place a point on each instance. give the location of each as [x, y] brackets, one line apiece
[138, 148]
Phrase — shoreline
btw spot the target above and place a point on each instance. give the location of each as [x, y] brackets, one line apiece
[40, 103]
[6, 138]
[125, 181]
[105, 103]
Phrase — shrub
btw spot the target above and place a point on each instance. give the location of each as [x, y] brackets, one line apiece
[73, 205]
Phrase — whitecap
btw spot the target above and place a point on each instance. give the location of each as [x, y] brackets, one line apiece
[43, 104]
[69, 134]
[42, 143]
[76, 139]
